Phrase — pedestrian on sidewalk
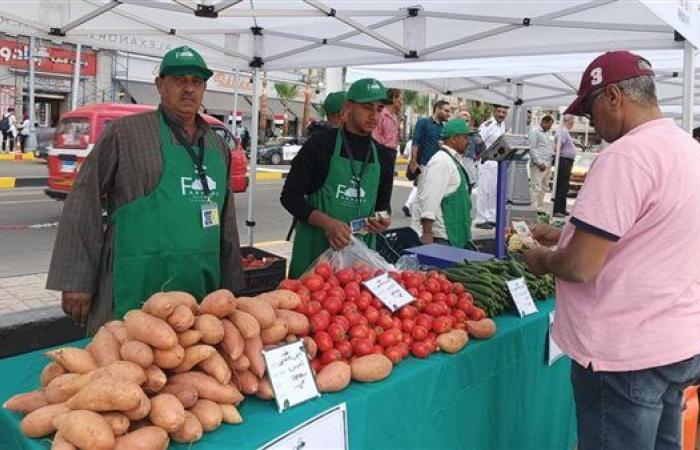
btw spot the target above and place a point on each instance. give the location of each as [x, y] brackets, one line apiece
[490, 130]
[163, 179]
[24, 132]
[541, 154]
[567, 154]
[8, 128]
[628, 292]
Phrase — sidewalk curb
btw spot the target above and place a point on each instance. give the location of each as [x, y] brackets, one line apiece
[11, 157]
[270, 176]
[18, 182]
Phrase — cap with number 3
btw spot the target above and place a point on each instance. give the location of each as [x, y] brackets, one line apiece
[606, 69]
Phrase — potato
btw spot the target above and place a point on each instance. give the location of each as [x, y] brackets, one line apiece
[107, 394]
[60, 443]
[217, 368]
[211, 328]
[297, 323]
[246, 324]
[51, 371]
[274, 333]
[233, 342]
[183, 298]
[141, 423]
[247, 382]
[39, 423]
[370, 368]
[118, 422]
[85, 429]
[181, 319]
[208, 388]
[453, 341]
[191, 430]
[189, 338]
[150, 330]
[311, 347]
[118, 330]
[208, 413]
[169, 359]
[286, 299]
[261, 310]
[219, 303]
[141, 410]
[231, 414]
[265, 390]
[63, 387]
[155, 380]
[290, 338]
[253, 350]
[483, 329]
[146, 438]
[105, 347]
[193, 356]
[184, 392]
[334, 377]
[160, 305]
[137, 352]
[270, 298]
[125, 370]
[242, 363]
[167, 412]
[26, 402]
[75, 360]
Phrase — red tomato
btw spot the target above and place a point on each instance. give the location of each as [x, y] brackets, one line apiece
[407, 339]
[319, 296]
[457, 288]
[414, 281]
[396, 276]
[377, 304]
[397, 323]
[405, 348]
[460, 326]
[332, 305]
[387, 339]
[336, 291]
[324, 270]
[365, 273]
[290, 285]
[385, 321]
[323, 341]
[420, 350]
[327, 286]
[419, 333]
[433, 274]
[443, 306]
[408, 312]
[378, 349]
[464, 304]
[336, 332]
[345, 348]
[342, 321]
[345, 276]
[316, 365]
[377, 329]
[459, 315]
[359, 331]
[406, 274]
[319, 322]
[330, 356]
[352, 289]
[478, 314]
[407, 325]
[302, 308]
[413, 291]
[424, 320]
[431, 344]
[466, 295]
[365, 296]
[433, 309]
[394, 353]
[313, 307]
[348, 308]
[425, 296]
[419, 304]
[440, 297]
[361, 346]
[452, 300]
[445, 286]
[432, 286]
[372, 315]
[372, 336]
[441, 325]
[304, 296]
[355, 318]
[313, 282]
[362, 303]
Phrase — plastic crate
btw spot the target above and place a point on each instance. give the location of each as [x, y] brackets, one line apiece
[263, 279]
[393, 242]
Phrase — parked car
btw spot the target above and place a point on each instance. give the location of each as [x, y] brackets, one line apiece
[79, 130]
[280, 151]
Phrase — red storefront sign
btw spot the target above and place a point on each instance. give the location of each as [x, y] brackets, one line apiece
[16, 55]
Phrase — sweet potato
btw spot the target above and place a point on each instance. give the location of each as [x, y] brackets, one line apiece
[189, 338]
[285, 299]
[105, 347]
[191, 430]
[39, 422]
[211, 328]
[274, 333]
[208, 388]
[141, 410]
[261, 310]
[183, 298]
[160, 304]
[334, 377]
[118, 422]
[290, 338]
[253, 350]
[146, 438]
[483, 329]
[184, 392]
[60, 443]
[217, 368]
[118, 330]
[311, 348]
[270, 298]
[125, 370]
[453, 341]
[107, 394]
[167, 412]
[233, 343]
[297, 323]
[242, 363]
[137, 352]
[231, 414]
[141, 423]
[371, 368]
[247, 382]
[265, 390]
[85, 429]
[155, 380]
[75, 360]
[193, 356]
[169, 359]
[26, 402]
[63, 387]
[181, 319]
[246, 324]
[51, 371]
[150, 329]
[219, 303]
[208, 413]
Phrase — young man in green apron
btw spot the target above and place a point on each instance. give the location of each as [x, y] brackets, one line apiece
[338, 176]
[163, 177]
[444, 195]
[333, 106]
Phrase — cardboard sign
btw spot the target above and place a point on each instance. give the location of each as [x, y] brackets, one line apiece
[553, 350]
[521, 297]
[389, 292]
[326, 430]
[290, 374]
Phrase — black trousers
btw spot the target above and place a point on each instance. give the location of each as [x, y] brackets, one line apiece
[8, 137]
[563, 175]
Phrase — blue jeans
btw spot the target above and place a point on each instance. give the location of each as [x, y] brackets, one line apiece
[636, 410]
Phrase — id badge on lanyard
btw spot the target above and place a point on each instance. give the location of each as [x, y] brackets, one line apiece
[210, 215]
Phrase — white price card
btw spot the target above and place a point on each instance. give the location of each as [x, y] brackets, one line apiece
[389, 292]
[553, 350]
[521, 297]
[524, 234]
[324, 431]
[290, 373]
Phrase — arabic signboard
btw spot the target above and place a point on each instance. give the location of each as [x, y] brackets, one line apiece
[15, 54]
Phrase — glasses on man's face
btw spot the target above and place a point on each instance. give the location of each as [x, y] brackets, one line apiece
[588, 103]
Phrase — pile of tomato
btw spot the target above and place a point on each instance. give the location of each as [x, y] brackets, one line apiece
[347, 321]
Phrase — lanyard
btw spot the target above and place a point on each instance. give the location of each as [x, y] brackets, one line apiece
[197, 158]
[357, 177]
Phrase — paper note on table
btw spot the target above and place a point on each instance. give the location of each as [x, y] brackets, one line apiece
[290, 374]
[388, 291]
[524, 234]
[553, 350]
[324, 431]
[521, 297]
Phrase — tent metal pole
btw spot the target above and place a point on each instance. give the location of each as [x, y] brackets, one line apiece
[688, 85]
[235, 104]
[250, 223]
[557, 154]
[225, 4]
[91, 15]
[76, 78]
[31, 140]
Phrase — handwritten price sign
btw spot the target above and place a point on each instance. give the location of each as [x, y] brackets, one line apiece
[290, 374]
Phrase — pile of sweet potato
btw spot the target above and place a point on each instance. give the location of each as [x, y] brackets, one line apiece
[172, 370]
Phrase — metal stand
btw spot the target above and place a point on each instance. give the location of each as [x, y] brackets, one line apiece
[501, 191]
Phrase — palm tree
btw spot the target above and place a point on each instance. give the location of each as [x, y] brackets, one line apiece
[415, 102]
[286, 92]
[480, 112]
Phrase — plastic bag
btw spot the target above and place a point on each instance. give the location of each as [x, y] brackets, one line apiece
[354, 255]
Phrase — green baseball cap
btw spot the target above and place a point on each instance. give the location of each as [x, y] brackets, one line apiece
[454, 127]
[184, 61]
[367, 90]
[334, 102]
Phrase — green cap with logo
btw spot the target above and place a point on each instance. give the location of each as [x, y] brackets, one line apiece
[334, 102]
[455, 127]
[184, 61]
[367, 90]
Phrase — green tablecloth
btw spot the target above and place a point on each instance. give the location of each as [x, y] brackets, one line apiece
[495, 394]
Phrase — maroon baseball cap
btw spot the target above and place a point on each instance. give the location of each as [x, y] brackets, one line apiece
[606, 69]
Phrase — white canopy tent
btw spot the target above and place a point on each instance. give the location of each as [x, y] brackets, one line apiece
[275, 35]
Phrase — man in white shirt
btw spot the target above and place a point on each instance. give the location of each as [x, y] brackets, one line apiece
[443, 190]
[541, 153]
[490, 130]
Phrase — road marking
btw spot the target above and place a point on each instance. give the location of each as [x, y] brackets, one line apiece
[36, 226]
[19, 202]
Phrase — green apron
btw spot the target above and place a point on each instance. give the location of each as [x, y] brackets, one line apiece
[159, 240]
[457, 211]
[340, 198]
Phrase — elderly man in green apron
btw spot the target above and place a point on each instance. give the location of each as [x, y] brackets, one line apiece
[163, 179]
[444, 195]
[340, 176]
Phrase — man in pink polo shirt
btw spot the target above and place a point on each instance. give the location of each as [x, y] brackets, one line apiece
[628, 265]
